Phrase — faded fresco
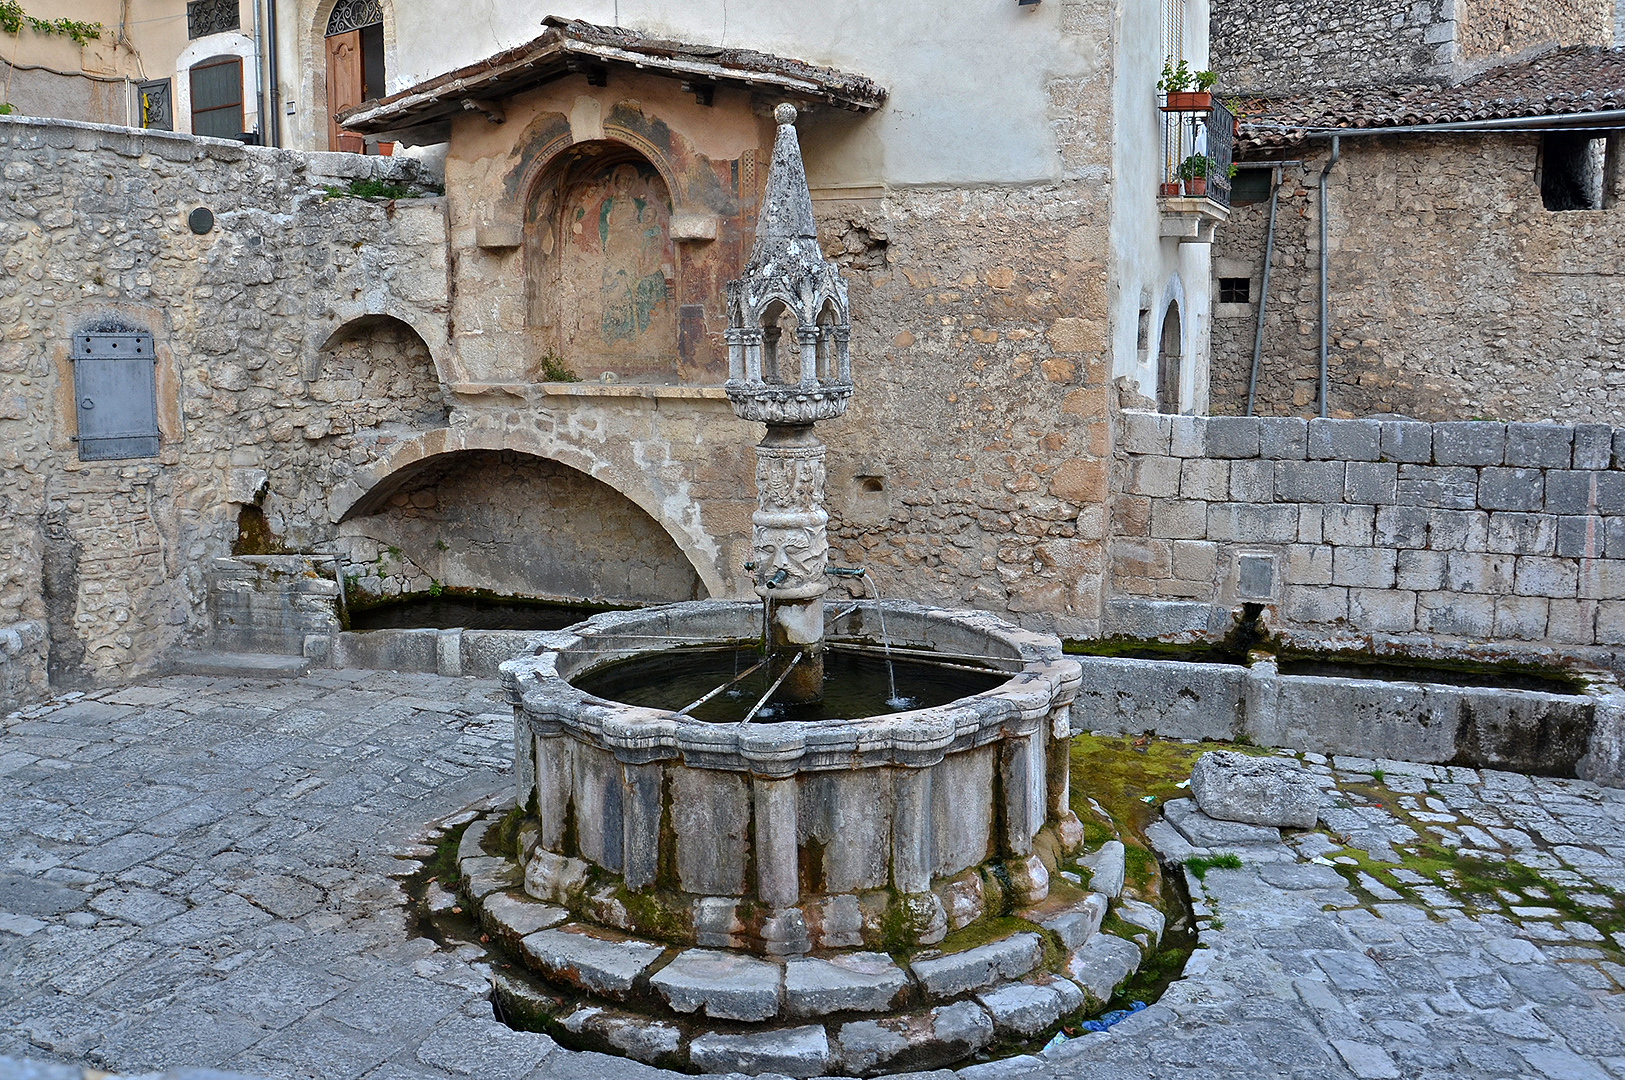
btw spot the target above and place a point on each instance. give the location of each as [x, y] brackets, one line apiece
[614, 274]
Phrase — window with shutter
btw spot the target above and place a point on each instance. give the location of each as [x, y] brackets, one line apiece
[217, 97]
[115, 394]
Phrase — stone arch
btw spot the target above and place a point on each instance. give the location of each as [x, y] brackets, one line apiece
[313, 64]
[213, 47]
[376, 370]
[512, 523]
[1171, 349]
[601, 266]
[344, 315]
[679, 519]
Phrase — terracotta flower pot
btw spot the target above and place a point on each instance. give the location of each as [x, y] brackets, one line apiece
[1188, 101]
[1196, 186]
[1169, 190]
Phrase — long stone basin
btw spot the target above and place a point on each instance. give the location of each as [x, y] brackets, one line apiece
[880, 832]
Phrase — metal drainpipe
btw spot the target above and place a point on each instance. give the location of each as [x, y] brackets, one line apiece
[259, 76]
[270, 52]
[1337, 148]
[1264, 287]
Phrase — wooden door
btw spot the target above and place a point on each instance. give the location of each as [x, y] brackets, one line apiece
[343, 87]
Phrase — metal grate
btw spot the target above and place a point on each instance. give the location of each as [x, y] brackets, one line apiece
[157, 111]
[115, 395]
[354, 15]
[1199, 144]
[205, 17]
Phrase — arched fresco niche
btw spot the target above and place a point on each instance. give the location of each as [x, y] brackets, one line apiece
[601, 268]
[513, 524]
[374, 371]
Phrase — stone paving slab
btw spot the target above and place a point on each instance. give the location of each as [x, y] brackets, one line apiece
[206, 873]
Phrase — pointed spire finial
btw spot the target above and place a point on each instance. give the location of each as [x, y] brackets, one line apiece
[787, 207]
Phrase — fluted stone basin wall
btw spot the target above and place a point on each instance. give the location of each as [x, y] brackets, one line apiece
[789, 836]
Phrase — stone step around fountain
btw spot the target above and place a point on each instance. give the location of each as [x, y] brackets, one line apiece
[723, 1010]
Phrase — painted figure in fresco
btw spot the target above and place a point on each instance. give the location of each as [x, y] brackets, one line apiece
[631, 236]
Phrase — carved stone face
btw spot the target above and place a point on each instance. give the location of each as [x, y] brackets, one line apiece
[797, 551]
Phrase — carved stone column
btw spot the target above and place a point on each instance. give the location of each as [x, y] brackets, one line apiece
[790, 542]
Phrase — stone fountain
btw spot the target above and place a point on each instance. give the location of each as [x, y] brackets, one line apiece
[778, 873]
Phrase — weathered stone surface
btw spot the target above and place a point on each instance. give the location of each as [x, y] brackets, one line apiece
[511, 917]
[1026, 1008]
[795, 1052]
[1102, 964]
[554, 877]
[722, 985]
[601, 964]
[1107, 868]
[1078, 924]
[981, 966]
[1205, 832]
[917, 1041]
[846, 982]
[1144, 916]
[638, 1037]
[1275, 791]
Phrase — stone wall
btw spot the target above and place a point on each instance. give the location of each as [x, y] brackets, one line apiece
[1454, 293]
[22, 664]
[1319, 44]
[1457, 531]
[112, 555]
[1493, 31]
[1284, 48]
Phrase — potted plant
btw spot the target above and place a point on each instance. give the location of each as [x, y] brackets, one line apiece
[1186, 90]
[1169, 189]
[1193, 171]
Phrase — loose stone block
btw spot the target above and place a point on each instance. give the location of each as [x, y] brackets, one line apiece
[602, 965]
[795, 1052]
[1144, 916]
[1273, 791]
[1022, 1008]
[1207, 832]
[511, 918]
[724, 985]
[1108, 868]
[1080, 923]
[982, 966]
[1471, 442]
[849, 982]
[1102, 965]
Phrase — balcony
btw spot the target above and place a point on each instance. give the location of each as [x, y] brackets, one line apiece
[1198, 144]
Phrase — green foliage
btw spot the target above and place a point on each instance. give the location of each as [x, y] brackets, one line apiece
[13, 18]
[7, 108]
[554, 369]
[1179, 78]
[377, 189]
[435, 588]
[1199, 865]
[1194, 167]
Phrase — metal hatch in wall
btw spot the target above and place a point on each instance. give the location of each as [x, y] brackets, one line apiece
[115, 395]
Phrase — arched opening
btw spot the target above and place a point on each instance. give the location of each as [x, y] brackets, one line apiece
[601, 269]
[780, 359]
[1168, 362]
[354, 47]
[376, 371]
[511, 524]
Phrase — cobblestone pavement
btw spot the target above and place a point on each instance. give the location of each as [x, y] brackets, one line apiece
[207, 873]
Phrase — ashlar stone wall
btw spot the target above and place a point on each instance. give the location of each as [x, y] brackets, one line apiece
[1454, 293]
[1472, 531]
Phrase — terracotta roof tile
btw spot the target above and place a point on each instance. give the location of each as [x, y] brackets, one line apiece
[1566, 82]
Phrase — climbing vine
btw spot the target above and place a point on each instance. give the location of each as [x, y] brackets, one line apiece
[12, 18]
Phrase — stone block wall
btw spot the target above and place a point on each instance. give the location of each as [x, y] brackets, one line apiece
[1475, 531]
[1285, 48]
[22, 665]
[274, 604]
[1322, 44]
[112, 556]
[1454, 293]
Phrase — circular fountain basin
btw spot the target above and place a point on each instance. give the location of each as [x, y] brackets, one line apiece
[880, 831]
